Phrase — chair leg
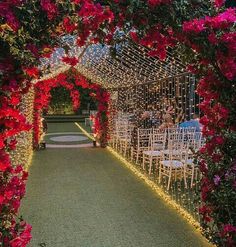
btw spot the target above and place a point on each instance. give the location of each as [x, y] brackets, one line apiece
[137, 155]
[185, 179]
[131, 153]
[170, 173]
[157, 163]
[125, 150]
[175, 175]
[196, 173]
[144, 161]
[116, 145]
[192, 177]
[159, 178]
[150, 165]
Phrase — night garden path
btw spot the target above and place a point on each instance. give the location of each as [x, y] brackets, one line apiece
[84, 197]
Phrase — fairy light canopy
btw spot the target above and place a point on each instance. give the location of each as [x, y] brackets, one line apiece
[129, 65]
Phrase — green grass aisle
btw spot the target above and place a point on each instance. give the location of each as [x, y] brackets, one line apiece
[85, 198]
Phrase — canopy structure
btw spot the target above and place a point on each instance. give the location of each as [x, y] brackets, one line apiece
[151, 82]
[130, 66]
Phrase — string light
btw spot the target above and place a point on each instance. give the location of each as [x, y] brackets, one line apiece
[24, 148]
[137, 82]
[159, 191]
[131, 65]
[85, 132]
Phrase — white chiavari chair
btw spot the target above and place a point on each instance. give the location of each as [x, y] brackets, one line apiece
[192, 168]
[156, 145]
[119, 132]
[158, 131]
[199, 141]
[140, 143]
[172, 166]
[175, 143]
[173, 130]
[122, 129]
[125, 141]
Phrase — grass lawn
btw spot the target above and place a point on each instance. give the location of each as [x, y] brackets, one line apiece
[84, 197]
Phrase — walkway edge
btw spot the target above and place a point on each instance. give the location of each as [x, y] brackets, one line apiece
[84, 131]
[29, 162]
[167, 199]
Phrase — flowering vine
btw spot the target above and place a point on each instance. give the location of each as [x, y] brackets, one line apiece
[204, 33]
[101, 118]
[71, 80]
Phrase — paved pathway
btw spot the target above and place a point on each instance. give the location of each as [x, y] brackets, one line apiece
[84, 197]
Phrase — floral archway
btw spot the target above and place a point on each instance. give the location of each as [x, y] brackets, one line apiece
[71, 80]
[203, 31]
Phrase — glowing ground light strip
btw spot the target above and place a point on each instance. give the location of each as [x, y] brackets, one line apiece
[84, 131]
[29, 163]
[188, 217]
[157, 189]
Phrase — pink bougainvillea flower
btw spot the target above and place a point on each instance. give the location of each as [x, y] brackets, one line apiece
[195, 26]
[12, 144]
[228, 228]
[32, 72]
[154, 3]
[219, 3]
[50, 8]
[4, 161]
[7, 13]
[23, 239]
[81, 81]
[70, 60]
[1, 199]
[68, 25]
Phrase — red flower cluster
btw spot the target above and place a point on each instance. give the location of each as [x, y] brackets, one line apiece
[43, 96]
[154, 3]
[156, 41]
[219, 3]
[68, 25]
[6, 11]
[70, 60]
[228, 233]
[50, 8]
[196, 26]
[101, 119]
[92, 16]
[218, 73]
[23, 237]
[205, 212]
[11, 192]
[81, 81]
[32, 72]
[221, 21]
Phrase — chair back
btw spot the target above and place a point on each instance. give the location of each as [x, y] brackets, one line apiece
[143, 137]
[158, 131]
[177, 152]
[172, 130]
[175, 141]
[158, 141]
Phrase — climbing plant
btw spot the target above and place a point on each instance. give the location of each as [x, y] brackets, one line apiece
[72, 81]
[203, 32]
